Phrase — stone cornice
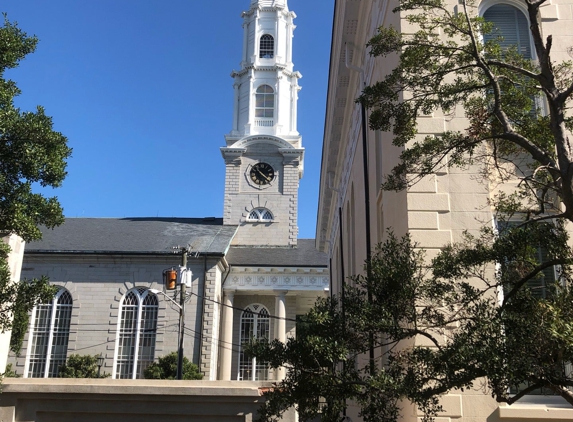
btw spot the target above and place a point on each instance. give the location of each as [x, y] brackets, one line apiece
[231, 154]
[255, 139]
[276, 68]
[281, 278]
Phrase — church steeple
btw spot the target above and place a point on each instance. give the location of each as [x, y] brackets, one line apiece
[266, 86]
[263, 153]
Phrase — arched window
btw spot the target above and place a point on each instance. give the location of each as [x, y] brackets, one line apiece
[267, 47]
[265, 101]
[260, 215]
[255, 325]
[137, 330]
[49, 335]
[511, 24]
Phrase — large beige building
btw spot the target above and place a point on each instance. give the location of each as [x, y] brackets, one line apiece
[437, 209]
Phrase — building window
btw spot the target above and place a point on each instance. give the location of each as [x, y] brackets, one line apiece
[267, 47]
[137, 330]
[511, 24]
[49, 335]
[265, 101]
[255, 325]
[260, 215]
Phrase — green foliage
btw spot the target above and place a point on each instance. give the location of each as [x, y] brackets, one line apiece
[81, 366]
[436, 327]
[446, 67]
[10, 372]
[488, 311]
[31, 152]
[166, 369]
[18, 299]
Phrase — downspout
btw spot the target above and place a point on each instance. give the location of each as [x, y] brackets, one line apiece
[203, 307]
[366, 201]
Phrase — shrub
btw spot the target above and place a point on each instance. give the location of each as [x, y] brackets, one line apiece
[81, 366]
[166, 369]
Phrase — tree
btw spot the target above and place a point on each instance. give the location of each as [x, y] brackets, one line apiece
[493, 311]
[436, 328]
[81, 366]
[31, 152]
[166, 369]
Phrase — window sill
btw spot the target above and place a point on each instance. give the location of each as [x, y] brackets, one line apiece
[537, 408]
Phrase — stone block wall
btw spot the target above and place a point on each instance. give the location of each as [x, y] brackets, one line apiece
[97, 285]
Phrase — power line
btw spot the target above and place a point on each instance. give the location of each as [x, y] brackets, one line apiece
[243, 309]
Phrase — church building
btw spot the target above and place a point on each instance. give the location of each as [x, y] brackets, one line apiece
[251, 275]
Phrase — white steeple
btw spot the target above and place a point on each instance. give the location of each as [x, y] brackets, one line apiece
[263, 155]
[266, 86]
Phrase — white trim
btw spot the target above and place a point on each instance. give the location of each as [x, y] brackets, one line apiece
[256, 315]
[32, 331]
[140, 300]
[486, 4]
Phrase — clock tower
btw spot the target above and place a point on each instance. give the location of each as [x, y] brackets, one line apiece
[263, 153]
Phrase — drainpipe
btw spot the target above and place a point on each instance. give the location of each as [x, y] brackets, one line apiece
[366, 200]
[203, 307]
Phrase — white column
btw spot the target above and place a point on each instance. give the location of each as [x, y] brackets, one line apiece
[281, 327]
[226, 345]
[236, 107]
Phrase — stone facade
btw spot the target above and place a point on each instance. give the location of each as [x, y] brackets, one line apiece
[436, 210]
[97, 285]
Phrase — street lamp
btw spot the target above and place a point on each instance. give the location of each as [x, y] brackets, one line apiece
[99, 364]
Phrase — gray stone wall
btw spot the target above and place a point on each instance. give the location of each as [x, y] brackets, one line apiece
[280, 197]
[97, 284]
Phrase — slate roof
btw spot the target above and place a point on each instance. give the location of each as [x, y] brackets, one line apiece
[140, 235]
[304, 255]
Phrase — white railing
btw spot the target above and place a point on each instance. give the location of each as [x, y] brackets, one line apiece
[264, 122]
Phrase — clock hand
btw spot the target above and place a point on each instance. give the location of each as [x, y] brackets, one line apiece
[262, 174]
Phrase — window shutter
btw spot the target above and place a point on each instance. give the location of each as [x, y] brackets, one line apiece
[512, 25]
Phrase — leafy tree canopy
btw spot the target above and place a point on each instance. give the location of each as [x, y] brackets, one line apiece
[436, 328]
[166, 369]
[447, 67]
[31, 152]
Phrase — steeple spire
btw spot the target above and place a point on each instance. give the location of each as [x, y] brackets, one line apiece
[263, 152]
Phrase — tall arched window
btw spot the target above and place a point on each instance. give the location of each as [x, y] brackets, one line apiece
[265, 101]
[267, 47]
[49, 335]
[255, 325]
[137, 330]
[511, 24]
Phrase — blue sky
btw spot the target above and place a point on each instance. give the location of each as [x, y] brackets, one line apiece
[142, 90]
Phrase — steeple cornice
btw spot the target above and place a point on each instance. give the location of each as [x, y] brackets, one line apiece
[276, 68]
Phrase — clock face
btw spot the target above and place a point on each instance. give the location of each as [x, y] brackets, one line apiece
[262, 173]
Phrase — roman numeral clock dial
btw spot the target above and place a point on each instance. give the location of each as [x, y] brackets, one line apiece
[262, 174]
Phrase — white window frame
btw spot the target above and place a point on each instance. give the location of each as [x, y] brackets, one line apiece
[264, 108]
[261, 215]
[57, 327]
[487, 4]
[266, 50]
[258, 315]
[133, 359]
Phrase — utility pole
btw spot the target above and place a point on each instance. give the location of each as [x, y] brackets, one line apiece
[181, 315]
